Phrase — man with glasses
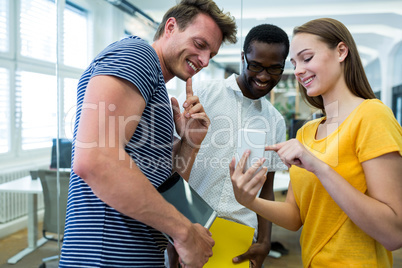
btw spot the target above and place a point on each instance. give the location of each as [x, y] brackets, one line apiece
[240, 102]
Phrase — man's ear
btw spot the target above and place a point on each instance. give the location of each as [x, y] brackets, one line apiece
[170, 26]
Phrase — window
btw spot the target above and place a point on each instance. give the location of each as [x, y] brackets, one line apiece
[4, 110]
[38, 91]
[38, 30]
[38, 107]
[70, 99]
[29, 88]
[75, 37]
[4, 33]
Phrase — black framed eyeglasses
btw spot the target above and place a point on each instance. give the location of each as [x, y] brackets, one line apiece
[273, 70]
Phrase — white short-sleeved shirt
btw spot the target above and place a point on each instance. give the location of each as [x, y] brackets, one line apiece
[229, 111]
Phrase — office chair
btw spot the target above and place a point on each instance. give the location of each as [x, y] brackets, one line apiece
[51, 224]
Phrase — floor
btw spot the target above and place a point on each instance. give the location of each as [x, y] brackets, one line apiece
[11, 245]
[16, 242]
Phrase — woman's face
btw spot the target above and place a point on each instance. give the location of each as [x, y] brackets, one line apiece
[316, 66]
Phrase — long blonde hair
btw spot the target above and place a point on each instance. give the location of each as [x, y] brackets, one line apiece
[332, 32]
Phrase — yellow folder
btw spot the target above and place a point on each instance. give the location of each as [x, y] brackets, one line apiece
[231, 239]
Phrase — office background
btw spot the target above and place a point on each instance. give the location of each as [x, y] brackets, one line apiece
[46, 44]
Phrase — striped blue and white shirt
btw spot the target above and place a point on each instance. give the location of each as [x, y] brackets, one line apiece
[96, 235]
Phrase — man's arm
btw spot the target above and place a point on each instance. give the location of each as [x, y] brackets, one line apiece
[111, 113]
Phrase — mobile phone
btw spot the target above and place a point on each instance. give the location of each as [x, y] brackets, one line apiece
[254, 140]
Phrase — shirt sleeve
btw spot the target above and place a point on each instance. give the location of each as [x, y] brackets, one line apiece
[133, 60]
[377, 132]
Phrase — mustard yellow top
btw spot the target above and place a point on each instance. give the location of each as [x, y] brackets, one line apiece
[329, 238]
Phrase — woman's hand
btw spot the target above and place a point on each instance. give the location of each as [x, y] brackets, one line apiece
[292, 152]
[246, 185]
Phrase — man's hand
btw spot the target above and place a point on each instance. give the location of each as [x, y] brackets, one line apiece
[196, 249]
[192, 124]
[256, 254]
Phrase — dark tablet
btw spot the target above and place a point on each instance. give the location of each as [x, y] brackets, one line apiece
[186, 200]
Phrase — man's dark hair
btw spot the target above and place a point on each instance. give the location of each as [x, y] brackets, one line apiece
[187, 10]
[267, 33]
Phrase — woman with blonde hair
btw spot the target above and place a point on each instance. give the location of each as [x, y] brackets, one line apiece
[345, 188]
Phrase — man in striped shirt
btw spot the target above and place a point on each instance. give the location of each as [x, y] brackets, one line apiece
[123, 144]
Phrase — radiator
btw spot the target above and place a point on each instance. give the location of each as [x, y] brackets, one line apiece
[14, 205]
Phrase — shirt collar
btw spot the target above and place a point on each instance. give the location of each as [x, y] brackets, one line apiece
[231, 82]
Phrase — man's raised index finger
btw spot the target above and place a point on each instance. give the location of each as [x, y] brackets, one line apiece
[189, 88]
